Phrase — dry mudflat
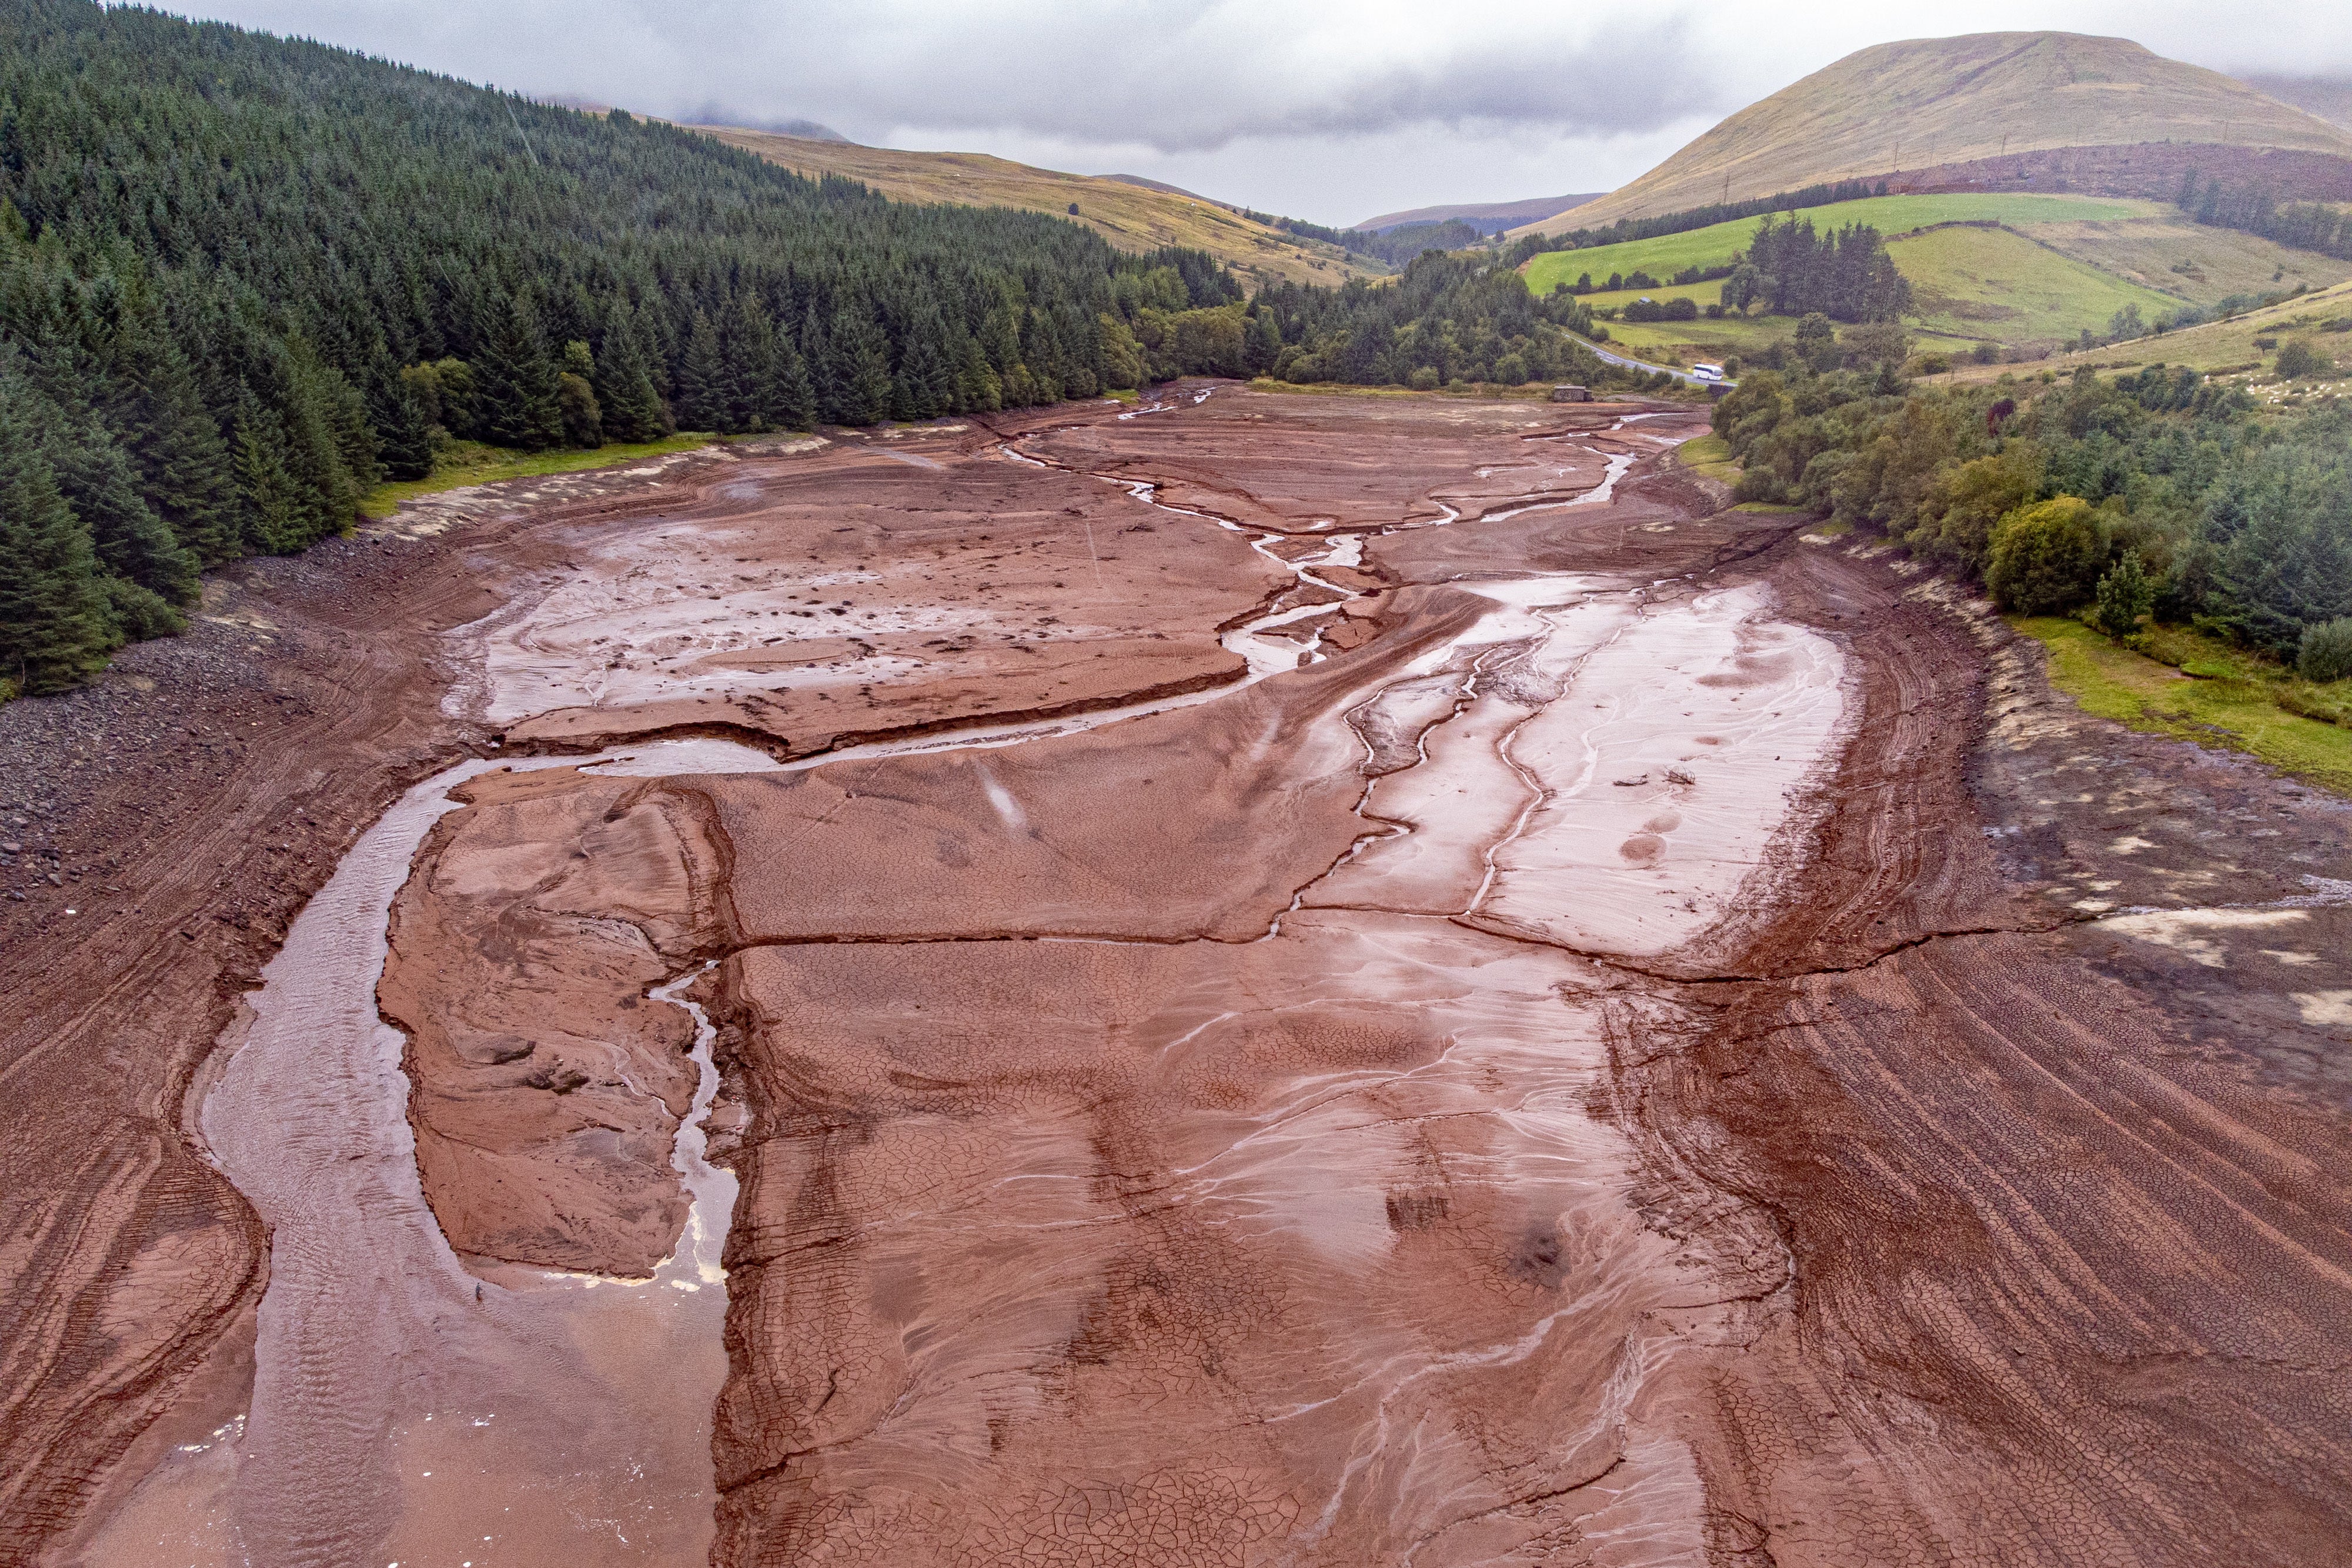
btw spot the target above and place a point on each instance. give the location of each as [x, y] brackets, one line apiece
[1255, 979]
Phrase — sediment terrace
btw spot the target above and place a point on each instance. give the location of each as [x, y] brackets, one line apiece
[1286, 981]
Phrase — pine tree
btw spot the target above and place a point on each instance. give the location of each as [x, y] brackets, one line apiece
[98, 482]
[632, 409]
[273, 519]
[824, 369]
[858, 371]
[701, 379]
[160, 420]
[930, 385]
[515, 381]
[408, 431]
[978, 388]
[795, 398]
[326, 492]
[583, 422]
[748, 351]
[55, 625]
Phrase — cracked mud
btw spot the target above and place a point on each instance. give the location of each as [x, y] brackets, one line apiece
[1280, 980]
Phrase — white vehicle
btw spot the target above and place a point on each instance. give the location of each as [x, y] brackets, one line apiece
[1707, 372]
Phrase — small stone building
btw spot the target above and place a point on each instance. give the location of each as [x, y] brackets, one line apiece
[1571, 394]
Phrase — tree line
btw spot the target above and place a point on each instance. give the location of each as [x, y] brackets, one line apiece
[2215, 516]
[1684, 222]
[1405, 241]
[2256, 207]
[245, 278]
[1395, 248]
[1844, 274]
[1450, 317]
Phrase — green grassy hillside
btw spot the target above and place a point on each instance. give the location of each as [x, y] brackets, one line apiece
[2169, 253]
[1937, 101]
[1890, 215]
[2058, 264]
[1992, 283]
[2243, 348]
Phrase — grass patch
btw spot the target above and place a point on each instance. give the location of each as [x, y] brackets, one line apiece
[1970, 285]
[2177, 256]
[2237, 710]
[1992, 283]
[1532, 392]
[1713, 246]
[463, 463]
[2218, 348]
[1710, 455]
[1826, 530]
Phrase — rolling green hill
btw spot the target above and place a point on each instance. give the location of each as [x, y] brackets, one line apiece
[1938, 103]
[1717, 243]
[2053, 266]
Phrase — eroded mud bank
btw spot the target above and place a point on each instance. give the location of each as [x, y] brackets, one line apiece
[551, 917]
[1292, 980]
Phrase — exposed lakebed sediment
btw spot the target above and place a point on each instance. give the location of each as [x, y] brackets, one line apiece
[1166, 916]
[1265, 993]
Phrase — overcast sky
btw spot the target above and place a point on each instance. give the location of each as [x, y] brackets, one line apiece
[1328, 109]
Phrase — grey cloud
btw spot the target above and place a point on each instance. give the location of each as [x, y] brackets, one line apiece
[1302, 104]
[1175, 78]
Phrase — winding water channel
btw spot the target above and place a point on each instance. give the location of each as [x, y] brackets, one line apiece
[408, 1408]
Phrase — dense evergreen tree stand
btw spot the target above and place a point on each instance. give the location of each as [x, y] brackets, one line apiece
[243, 278]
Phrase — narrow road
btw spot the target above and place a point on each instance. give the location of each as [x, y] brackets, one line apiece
[1611, 357]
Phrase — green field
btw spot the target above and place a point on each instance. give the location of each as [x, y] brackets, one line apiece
[2241, 347]
[1717, 243]
[2211, 701]
[2178, 255]
[1991, 282]
[463, 463]
[1971, 284]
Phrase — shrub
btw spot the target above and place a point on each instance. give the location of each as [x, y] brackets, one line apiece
[2301, 359]
[141, 613]
[1876, 343]
[1424, 379]
[2327, 651]
[1986, 353]
[2125, 595]
[2045, 558]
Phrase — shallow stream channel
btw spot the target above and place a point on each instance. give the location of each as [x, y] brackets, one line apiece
[411, 1407]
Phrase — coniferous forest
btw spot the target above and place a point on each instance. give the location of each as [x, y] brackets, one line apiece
[244, 278]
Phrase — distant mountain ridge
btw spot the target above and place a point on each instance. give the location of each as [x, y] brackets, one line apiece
[1489, 216]
[1132, 213]
[2002, 110]
[2330, 98]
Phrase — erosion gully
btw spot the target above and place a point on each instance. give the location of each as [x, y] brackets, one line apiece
[1593, 771]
